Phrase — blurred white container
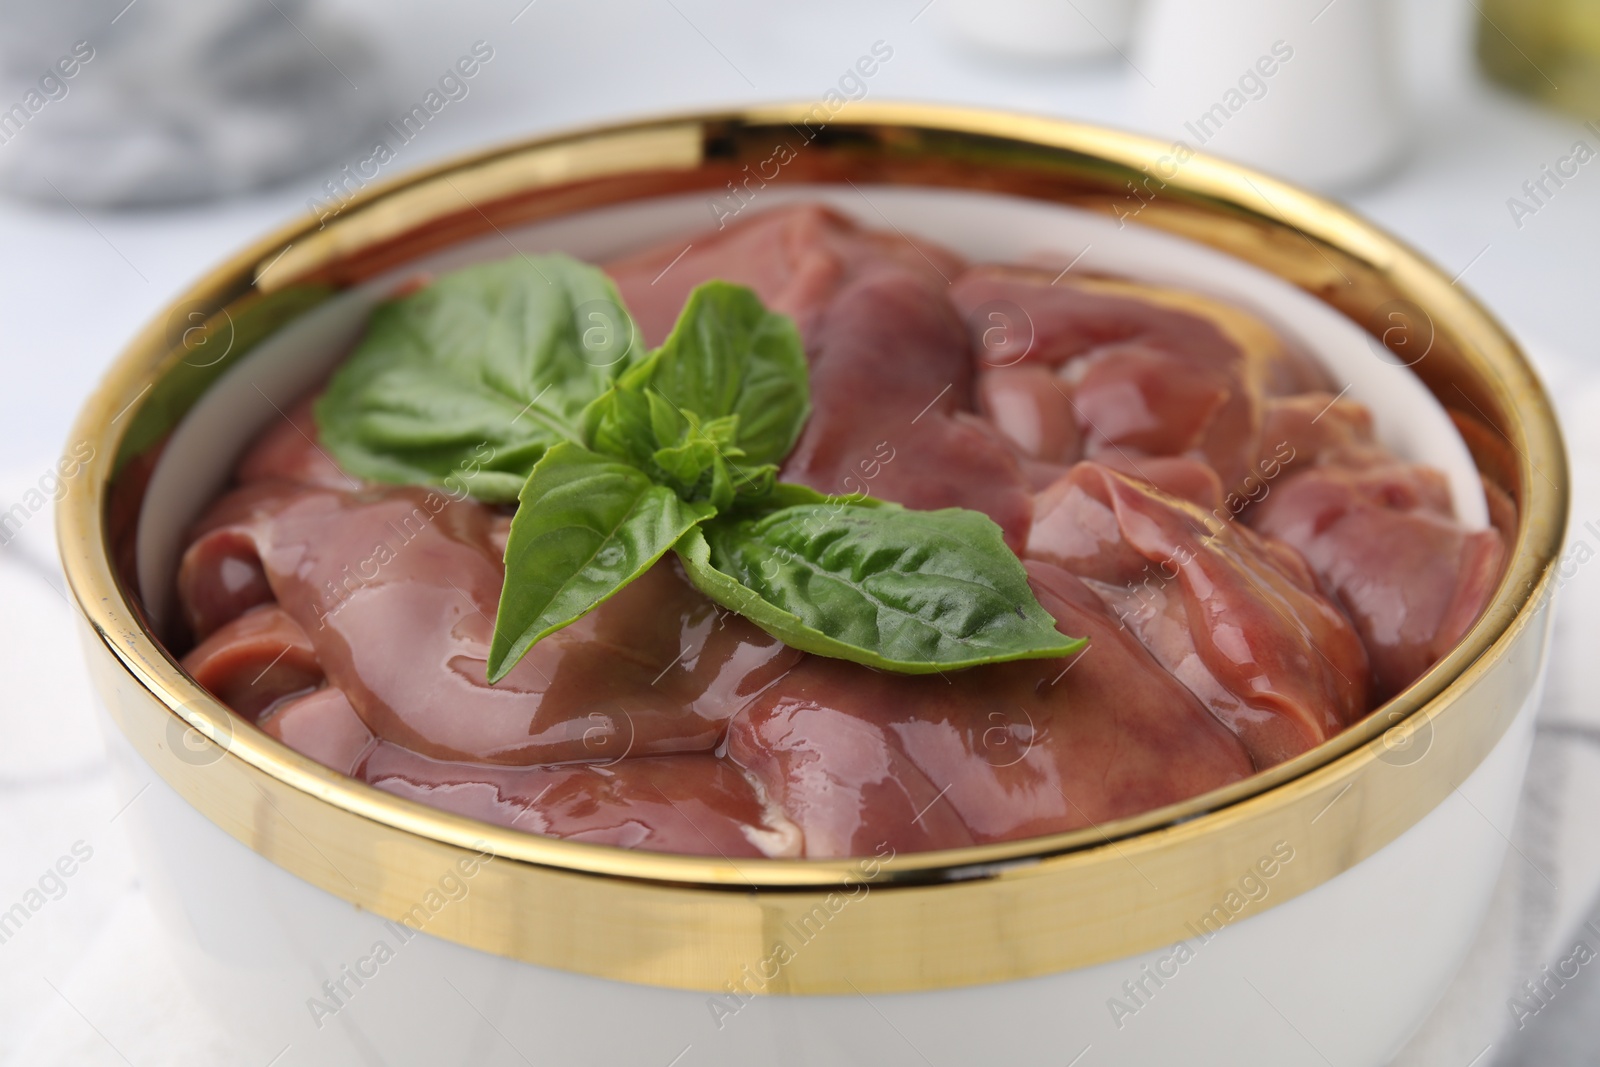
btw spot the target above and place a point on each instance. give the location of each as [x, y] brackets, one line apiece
[1043, 29]
[1305, 89]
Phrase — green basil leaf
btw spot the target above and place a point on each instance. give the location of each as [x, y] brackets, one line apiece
[874, 583]
[729, 364]
[473, 377]
[586, 526]
[699, 448]
[728, 355]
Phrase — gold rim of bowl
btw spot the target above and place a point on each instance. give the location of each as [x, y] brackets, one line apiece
[914, 921]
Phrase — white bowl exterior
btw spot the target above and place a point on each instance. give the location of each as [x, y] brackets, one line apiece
[1343, 973]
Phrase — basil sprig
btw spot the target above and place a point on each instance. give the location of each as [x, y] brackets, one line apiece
[872, 582]
[717, 407]
[586, 525]
[504, 354]
[617, 457]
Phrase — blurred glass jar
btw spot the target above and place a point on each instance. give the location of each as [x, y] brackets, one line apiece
[136, 103]
[1547, 49]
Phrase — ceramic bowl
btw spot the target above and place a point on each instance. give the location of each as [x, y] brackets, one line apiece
[1311, 914]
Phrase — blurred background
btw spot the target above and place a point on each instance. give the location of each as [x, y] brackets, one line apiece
[142, 141]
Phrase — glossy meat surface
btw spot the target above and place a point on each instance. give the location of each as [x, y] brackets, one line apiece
[892, 388]
[1253, 570]
[322, 724]
[859, 758]
[795, 258]
[255, 660]
[1238, 620]
[691, 803]
[1149, 371]
[1410, 578]
[397, 590]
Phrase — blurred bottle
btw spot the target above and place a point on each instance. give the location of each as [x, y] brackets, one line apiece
[1547, 49]
[1305, 89]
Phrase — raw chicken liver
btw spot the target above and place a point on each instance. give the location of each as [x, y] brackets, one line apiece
[1252, 569]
